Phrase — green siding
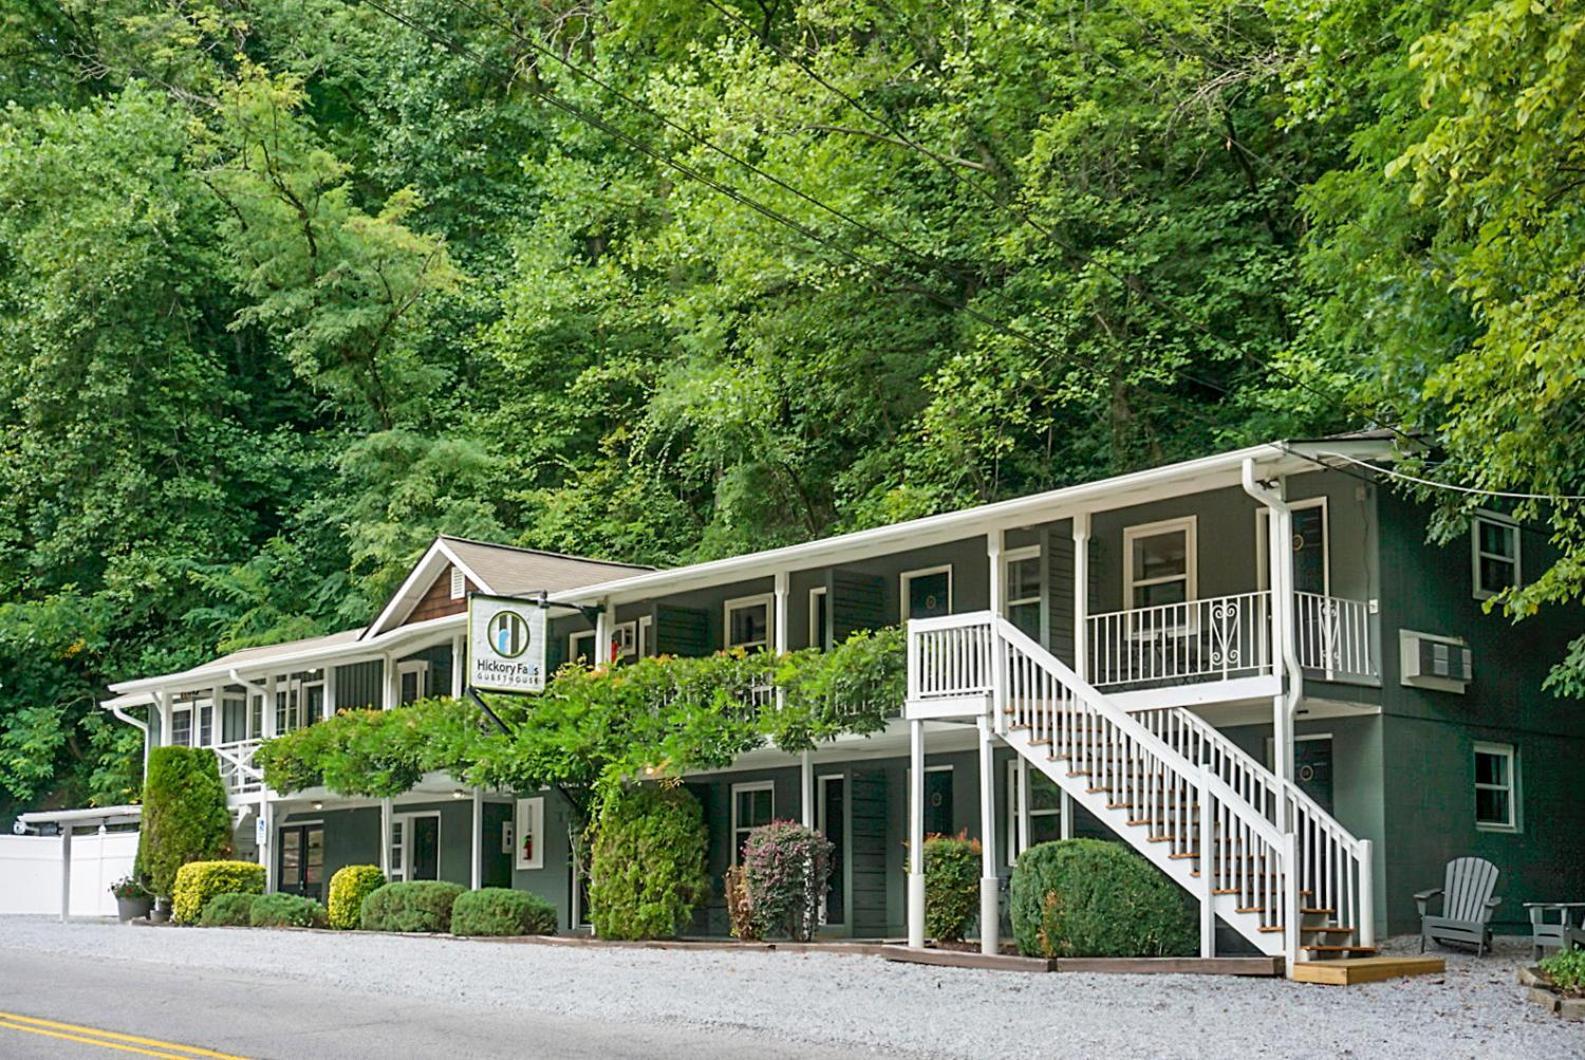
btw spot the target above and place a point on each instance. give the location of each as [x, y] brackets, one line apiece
[359, 685]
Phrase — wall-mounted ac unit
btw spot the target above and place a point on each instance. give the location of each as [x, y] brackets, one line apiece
[1431, 661]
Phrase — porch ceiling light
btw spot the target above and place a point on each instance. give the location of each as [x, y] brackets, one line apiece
[319, 805]
[459, 794]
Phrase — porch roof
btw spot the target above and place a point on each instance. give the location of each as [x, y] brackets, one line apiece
[1189, 476]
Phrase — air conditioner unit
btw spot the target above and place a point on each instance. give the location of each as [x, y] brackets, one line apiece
[1431, 661]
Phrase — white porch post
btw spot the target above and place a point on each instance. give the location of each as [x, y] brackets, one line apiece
[1207, 881]
[806, 788]
[478, 838]
[1281, 558]
[385, 837]
[990, 883]
[459, 659]
[998, 580]
[391, 685]
[164, 699]
[217, 715]
[604, 630]
[267, 715]
[916, 834]
[330, 691]
[1081, 595]
[66, 870]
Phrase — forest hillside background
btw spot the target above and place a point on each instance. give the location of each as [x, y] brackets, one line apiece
[287, 287]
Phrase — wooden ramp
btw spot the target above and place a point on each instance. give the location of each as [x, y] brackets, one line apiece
[1354, 970]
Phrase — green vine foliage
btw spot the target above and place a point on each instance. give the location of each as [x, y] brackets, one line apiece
[592, 730]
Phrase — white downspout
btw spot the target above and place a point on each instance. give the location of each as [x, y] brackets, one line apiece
[141, 726]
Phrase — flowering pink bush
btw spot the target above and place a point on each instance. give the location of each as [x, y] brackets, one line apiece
[785, 867]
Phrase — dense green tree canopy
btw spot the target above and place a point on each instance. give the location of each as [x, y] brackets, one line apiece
[289, 286]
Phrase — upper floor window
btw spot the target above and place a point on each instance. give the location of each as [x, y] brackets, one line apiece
[748, 622]
[1496, 808]
[927, 593]
[1159, 563]
[1495, 544]
[1021, 573]
[181, 727]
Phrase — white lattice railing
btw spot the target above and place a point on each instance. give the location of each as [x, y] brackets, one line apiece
[1217, 638]
[1334, 869]
[237, 770]
[1332, 634]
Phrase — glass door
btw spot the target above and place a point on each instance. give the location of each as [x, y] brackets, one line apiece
[300, 867]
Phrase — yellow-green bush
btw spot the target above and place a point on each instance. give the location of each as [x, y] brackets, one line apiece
[348, 888]
[199, 881]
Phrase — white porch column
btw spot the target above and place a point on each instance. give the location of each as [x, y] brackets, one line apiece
[330, 691]
[806, 788]
[998, 580]
[990, 883]
[66, 870]
[267, 715]
[391, 685]
[779, 618]
[916, 834]
[1065, 823]
[385, 837]
[604, 630]
[164, 700]
[217, 715]
[459, 659]
[1280, 553]
[1081, 597]
[478, 838]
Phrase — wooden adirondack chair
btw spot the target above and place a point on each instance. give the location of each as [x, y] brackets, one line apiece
[1467, 905]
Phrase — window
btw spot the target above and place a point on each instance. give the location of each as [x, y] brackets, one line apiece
[530, 832]
[580, 647]
[206, 724]
[646, 636]
[1495, 544]
[748, 622]
[414, 678]
[624, 643]
[819, 623]
[1045, 810]
[459, 584]
[1496, 808]
[255, 715]
[927, 593]
[1021, 583]
[1159, 563]
[313, 702]
[286, 718]
[181, 727]
[752, 805]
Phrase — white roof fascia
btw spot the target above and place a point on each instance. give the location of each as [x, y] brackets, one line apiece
[1171, 480]
[419, 580]
[341, 654]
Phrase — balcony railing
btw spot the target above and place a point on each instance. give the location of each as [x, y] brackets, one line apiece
[237, 770]
[1215, 639]
[1332, 635]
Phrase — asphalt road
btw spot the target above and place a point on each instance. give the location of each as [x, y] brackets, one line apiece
[57, 1005]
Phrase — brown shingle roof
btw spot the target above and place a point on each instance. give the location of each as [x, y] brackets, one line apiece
[508, 569]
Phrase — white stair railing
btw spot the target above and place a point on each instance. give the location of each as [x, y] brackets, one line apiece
[1215, 638]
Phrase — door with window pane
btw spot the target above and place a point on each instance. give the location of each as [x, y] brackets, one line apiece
[300, 865]
[832, 823]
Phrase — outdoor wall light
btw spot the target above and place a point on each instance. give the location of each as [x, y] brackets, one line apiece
[459, 794]
[319, 806]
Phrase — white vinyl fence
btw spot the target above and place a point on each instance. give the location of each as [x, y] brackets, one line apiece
[30, 872]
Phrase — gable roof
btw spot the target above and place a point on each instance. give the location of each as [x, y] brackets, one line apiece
[502, 570]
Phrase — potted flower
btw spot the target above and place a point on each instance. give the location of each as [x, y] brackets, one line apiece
[132, 898]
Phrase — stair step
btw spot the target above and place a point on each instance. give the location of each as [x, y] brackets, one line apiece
[1184, 854]
[1338, 949]
[1269, 929]
[1119, 806]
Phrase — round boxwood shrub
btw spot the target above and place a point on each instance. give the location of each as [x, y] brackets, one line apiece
[199, 881]
[184, 819]
[785, 867]
[231, 909]
[1093, 898]
[417, 905]
[350, 885]
[647, 868]
[952, 886]
[286, 910]
[502, 911]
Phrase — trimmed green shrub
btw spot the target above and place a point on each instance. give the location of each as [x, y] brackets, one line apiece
[647, 870]
[286, 910]
[1092, 898]
[350, 885]
[417, 905]
[185, 817]
[231, 909]
[502, 911]
[199, 881]
[952, 886]
[1566, 971]
[785, 867]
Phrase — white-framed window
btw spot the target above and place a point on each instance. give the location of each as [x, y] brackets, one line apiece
[459, 583]
[1021, 584]
[1496, 787]
[206, 723]
[1045, 810]
[580, 647]
[181, 727]
[926, 593]
[287, 714]
[1159, 564]
[646, 636]
[1494, 554]
[233, 713]
[255, 715]
[413, 678]
[753, 805]
[624, 641]
[530, 833]
[748, 621]
[415, 846]
[819, 621]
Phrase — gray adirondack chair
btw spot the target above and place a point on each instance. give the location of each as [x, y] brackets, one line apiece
[1467, 905]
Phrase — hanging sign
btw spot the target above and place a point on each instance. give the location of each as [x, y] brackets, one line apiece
[506, 644]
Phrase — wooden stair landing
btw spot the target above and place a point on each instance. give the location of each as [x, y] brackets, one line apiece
[1350, 971]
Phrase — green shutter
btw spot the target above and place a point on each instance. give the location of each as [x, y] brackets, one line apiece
[857, 601]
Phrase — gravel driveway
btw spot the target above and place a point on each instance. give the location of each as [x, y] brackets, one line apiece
[1475, 1010]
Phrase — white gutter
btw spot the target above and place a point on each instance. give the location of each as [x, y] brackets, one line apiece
[114, 706]
[1282, 614]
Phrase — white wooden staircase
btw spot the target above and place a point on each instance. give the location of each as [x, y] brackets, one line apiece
[1259, 854]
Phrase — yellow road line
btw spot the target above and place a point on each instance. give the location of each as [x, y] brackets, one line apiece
[107, 1039]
